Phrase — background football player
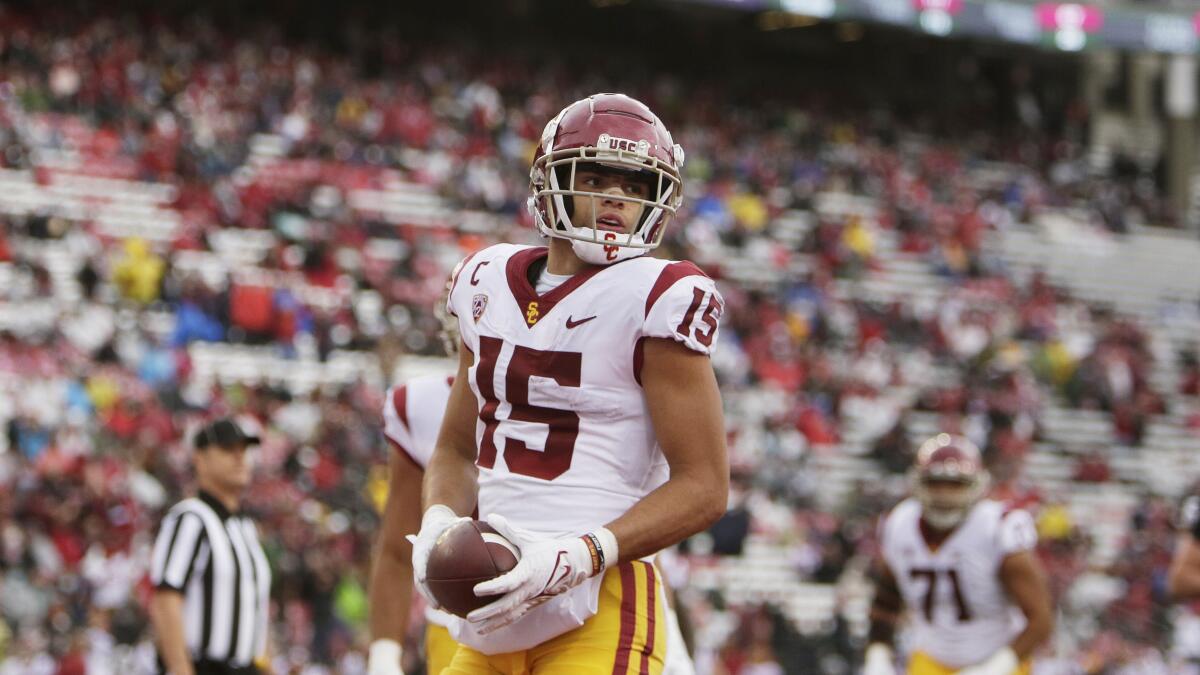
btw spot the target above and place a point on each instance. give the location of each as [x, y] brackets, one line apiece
[965, 569]
[412, 416]
[587, 389]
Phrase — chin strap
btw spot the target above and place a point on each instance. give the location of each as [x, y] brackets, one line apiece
[597, 253]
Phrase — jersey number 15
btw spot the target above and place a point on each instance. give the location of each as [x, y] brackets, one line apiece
[566, 369]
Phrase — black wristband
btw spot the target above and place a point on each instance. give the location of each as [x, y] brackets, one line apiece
[594, 543]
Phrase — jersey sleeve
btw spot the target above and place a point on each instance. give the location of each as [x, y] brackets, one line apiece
[1017, 532]
[454, 274]
[395, 420]
[684, 305]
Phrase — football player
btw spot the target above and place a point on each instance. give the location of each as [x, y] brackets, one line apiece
[412, 416]
[964, 567]
[585, 420]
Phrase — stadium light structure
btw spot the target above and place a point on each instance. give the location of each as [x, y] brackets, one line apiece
[1064, 26]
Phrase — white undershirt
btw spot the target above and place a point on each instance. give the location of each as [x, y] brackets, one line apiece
[548, 282]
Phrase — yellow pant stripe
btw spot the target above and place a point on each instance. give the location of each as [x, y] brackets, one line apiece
[641, 635]
[654, 628]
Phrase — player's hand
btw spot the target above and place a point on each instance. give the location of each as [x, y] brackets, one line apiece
[384, 658]
[879, 660]
[437, 519]
[1003, 662]
[547, 567]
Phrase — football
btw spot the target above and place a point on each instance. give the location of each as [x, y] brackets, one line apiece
[465, 555]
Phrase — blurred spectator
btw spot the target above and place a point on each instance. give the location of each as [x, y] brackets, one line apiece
[1092, 468]
[1189, 377]
[138, 273]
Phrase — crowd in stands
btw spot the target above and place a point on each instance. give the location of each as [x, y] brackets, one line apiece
[99, 382]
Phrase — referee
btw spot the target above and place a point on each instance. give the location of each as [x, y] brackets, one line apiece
[211, 578]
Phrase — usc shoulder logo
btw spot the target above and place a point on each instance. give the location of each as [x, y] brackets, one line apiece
[531, 312]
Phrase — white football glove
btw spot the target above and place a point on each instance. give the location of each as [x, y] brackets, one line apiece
[384, 658]
[547, 567]
[1003, 662]
[437, 519]
[879, 660]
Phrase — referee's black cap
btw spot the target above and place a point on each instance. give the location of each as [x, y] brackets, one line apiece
[225, 433]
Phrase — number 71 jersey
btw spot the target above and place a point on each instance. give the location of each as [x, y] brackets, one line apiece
[960, 611]
[565, 442]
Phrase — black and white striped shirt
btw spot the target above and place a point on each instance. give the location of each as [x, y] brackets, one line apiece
[214, 558]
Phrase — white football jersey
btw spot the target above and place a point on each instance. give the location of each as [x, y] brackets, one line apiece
[564, 434]
[960, 613]
[412, 418]
[412, 415]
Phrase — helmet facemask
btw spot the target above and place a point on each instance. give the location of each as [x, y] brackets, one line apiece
[948, 479]
[946, 500]
[554, 179]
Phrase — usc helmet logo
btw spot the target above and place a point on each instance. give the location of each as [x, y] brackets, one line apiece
[531, 312]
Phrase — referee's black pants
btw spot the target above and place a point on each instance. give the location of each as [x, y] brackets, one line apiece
[215, 668]
[206, 667]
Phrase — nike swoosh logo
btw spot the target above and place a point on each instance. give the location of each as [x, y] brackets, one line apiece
[571, 323]
[558, 573]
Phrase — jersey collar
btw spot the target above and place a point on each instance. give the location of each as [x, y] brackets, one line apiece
[934, 539]
[532, 306]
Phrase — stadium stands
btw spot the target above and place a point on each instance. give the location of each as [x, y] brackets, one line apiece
[261, 228]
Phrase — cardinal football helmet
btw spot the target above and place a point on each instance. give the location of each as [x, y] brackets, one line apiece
[948, 459]
[609, 132]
